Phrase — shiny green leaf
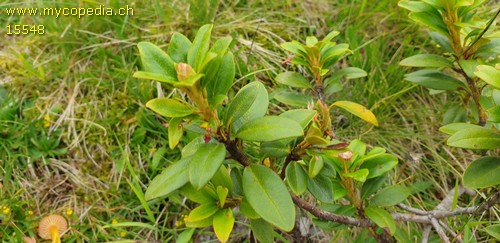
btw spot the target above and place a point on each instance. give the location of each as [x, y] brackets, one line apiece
[390, 196]
[249, 103]
[426, 60]
[155, 60]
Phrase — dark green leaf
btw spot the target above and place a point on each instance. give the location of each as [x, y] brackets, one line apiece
[249, 103]
[390, 196]
[262, 230]
[268, 196]
[321, 187]
[296, 178]
[372, 185]
[483, 172]
[379, 165]
[433, 79]
[381, 218]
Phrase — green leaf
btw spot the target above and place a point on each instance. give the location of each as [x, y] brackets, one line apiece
[294, 47]
[223, 178]
[357, 110]
[434, 79]
[452, 128]
[292, 98]
[415, 6]
[293, 79]
[426, 60]
[268, 196]
[321, 187]
[185, 236]
[469, 66]
[431, 19]
[390, 196]
[203, 196]
[455, 114]
[330, 36]
[175, 132]
[198, 51]
[179, 47]
[155, 76]
[170, 107]
[262, 230]
[155, 60]
[202, 212]
[489, 74]
[493, 230]
[475, 138]
[494, 114]
[269, 128]
[171, 179]
[379, 165]
[223, 224]
[372, 185]
[315, 165]
[205, 163]
[249, 103]
[381, 218]
[301, 116]
[482, 173]
[359, 175]
[223, 80]
[247, 210]
[296, 178]
[222, 194]
[311, 41]
[442, 41]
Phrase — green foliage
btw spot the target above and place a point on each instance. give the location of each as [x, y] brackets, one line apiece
[468, 66]
[483, 173]
[297, 145]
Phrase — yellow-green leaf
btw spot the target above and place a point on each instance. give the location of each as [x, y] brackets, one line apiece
[489, 74]
[381, 218]
[223, 224]
[357, 110]
[170, 107]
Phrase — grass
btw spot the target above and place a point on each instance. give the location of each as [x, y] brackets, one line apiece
[76, 139]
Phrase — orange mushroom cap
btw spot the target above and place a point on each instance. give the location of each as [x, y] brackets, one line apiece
[50, 223]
